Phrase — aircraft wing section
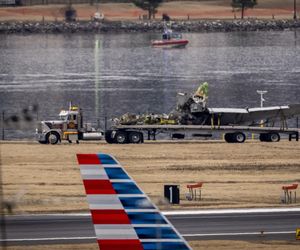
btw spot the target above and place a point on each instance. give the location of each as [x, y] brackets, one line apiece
[253, 115]
[124, 217]
[227, 110]
[273, 113]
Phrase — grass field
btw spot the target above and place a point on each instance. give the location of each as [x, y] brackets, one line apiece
[176, 9]
[45, 178]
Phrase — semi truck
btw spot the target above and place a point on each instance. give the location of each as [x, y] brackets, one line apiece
[191, 116]
[69, 126]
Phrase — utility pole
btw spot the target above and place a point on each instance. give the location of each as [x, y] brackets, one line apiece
[295, 9]
[262, 100]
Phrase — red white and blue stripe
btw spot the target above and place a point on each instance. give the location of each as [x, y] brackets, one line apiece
[124, 217]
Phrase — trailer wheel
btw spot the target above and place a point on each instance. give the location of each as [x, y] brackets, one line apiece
[229, 137]
[53, 138]
[121, 137]
[263, 137]
[239, 137]
[273, 137]
[108, 137]
[135, 137]
[269, 137]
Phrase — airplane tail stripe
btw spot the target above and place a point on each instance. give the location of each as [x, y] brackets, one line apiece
[156, 233]
[120, 245]
[102, 201]
[106, 159]
[118, 232]
[110, 217]
[88, 159]
[98, 187]
[126, 188]
[146, 218]
[136, 203]
[93, 172]
[116, 173]
[164, 246]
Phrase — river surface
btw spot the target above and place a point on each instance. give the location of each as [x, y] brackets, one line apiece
[111, 74]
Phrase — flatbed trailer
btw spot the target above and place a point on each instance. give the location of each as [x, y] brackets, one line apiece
[233, 134]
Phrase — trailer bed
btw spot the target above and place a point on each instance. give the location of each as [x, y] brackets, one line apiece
[234, 134]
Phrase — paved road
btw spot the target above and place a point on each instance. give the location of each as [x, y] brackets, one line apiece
[45, 229]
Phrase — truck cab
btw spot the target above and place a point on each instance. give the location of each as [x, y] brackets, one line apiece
[69, 127]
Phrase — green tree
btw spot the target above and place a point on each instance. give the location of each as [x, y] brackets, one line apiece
[243, 4]
[148, 5]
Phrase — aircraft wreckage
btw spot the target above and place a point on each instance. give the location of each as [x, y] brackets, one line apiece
[192, 115]
[192, 109]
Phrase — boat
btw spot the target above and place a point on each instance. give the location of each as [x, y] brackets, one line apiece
[170, 39]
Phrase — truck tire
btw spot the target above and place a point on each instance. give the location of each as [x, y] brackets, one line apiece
[237, 137]
[108, 137]
[121, 137]
[263, 137]
[53, 138]
[273, 137]
[229, 137]
[269, 137]
[135, 137]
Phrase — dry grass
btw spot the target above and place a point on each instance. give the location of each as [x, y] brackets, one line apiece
[127, 11]
[45, 178]
[196, 245]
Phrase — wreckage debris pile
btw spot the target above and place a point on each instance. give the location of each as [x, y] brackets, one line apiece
[146, 119]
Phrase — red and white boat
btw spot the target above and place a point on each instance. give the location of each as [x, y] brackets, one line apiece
[170, 39]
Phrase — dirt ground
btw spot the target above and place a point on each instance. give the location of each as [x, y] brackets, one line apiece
[196, 245]
[45, 178]
[176, 10]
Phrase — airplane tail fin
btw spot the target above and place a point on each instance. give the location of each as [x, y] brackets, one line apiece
[124, 218]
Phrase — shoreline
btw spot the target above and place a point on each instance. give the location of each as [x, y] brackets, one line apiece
[61, 27]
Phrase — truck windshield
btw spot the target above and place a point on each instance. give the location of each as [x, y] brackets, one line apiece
[63, 117]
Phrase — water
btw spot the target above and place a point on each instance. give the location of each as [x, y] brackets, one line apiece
[111, 74]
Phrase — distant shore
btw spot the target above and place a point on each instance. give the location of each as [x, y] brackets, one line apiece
[21, 27]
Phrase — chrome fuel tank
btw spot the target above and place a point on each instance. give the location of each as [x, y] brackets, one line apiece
[92, 136]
